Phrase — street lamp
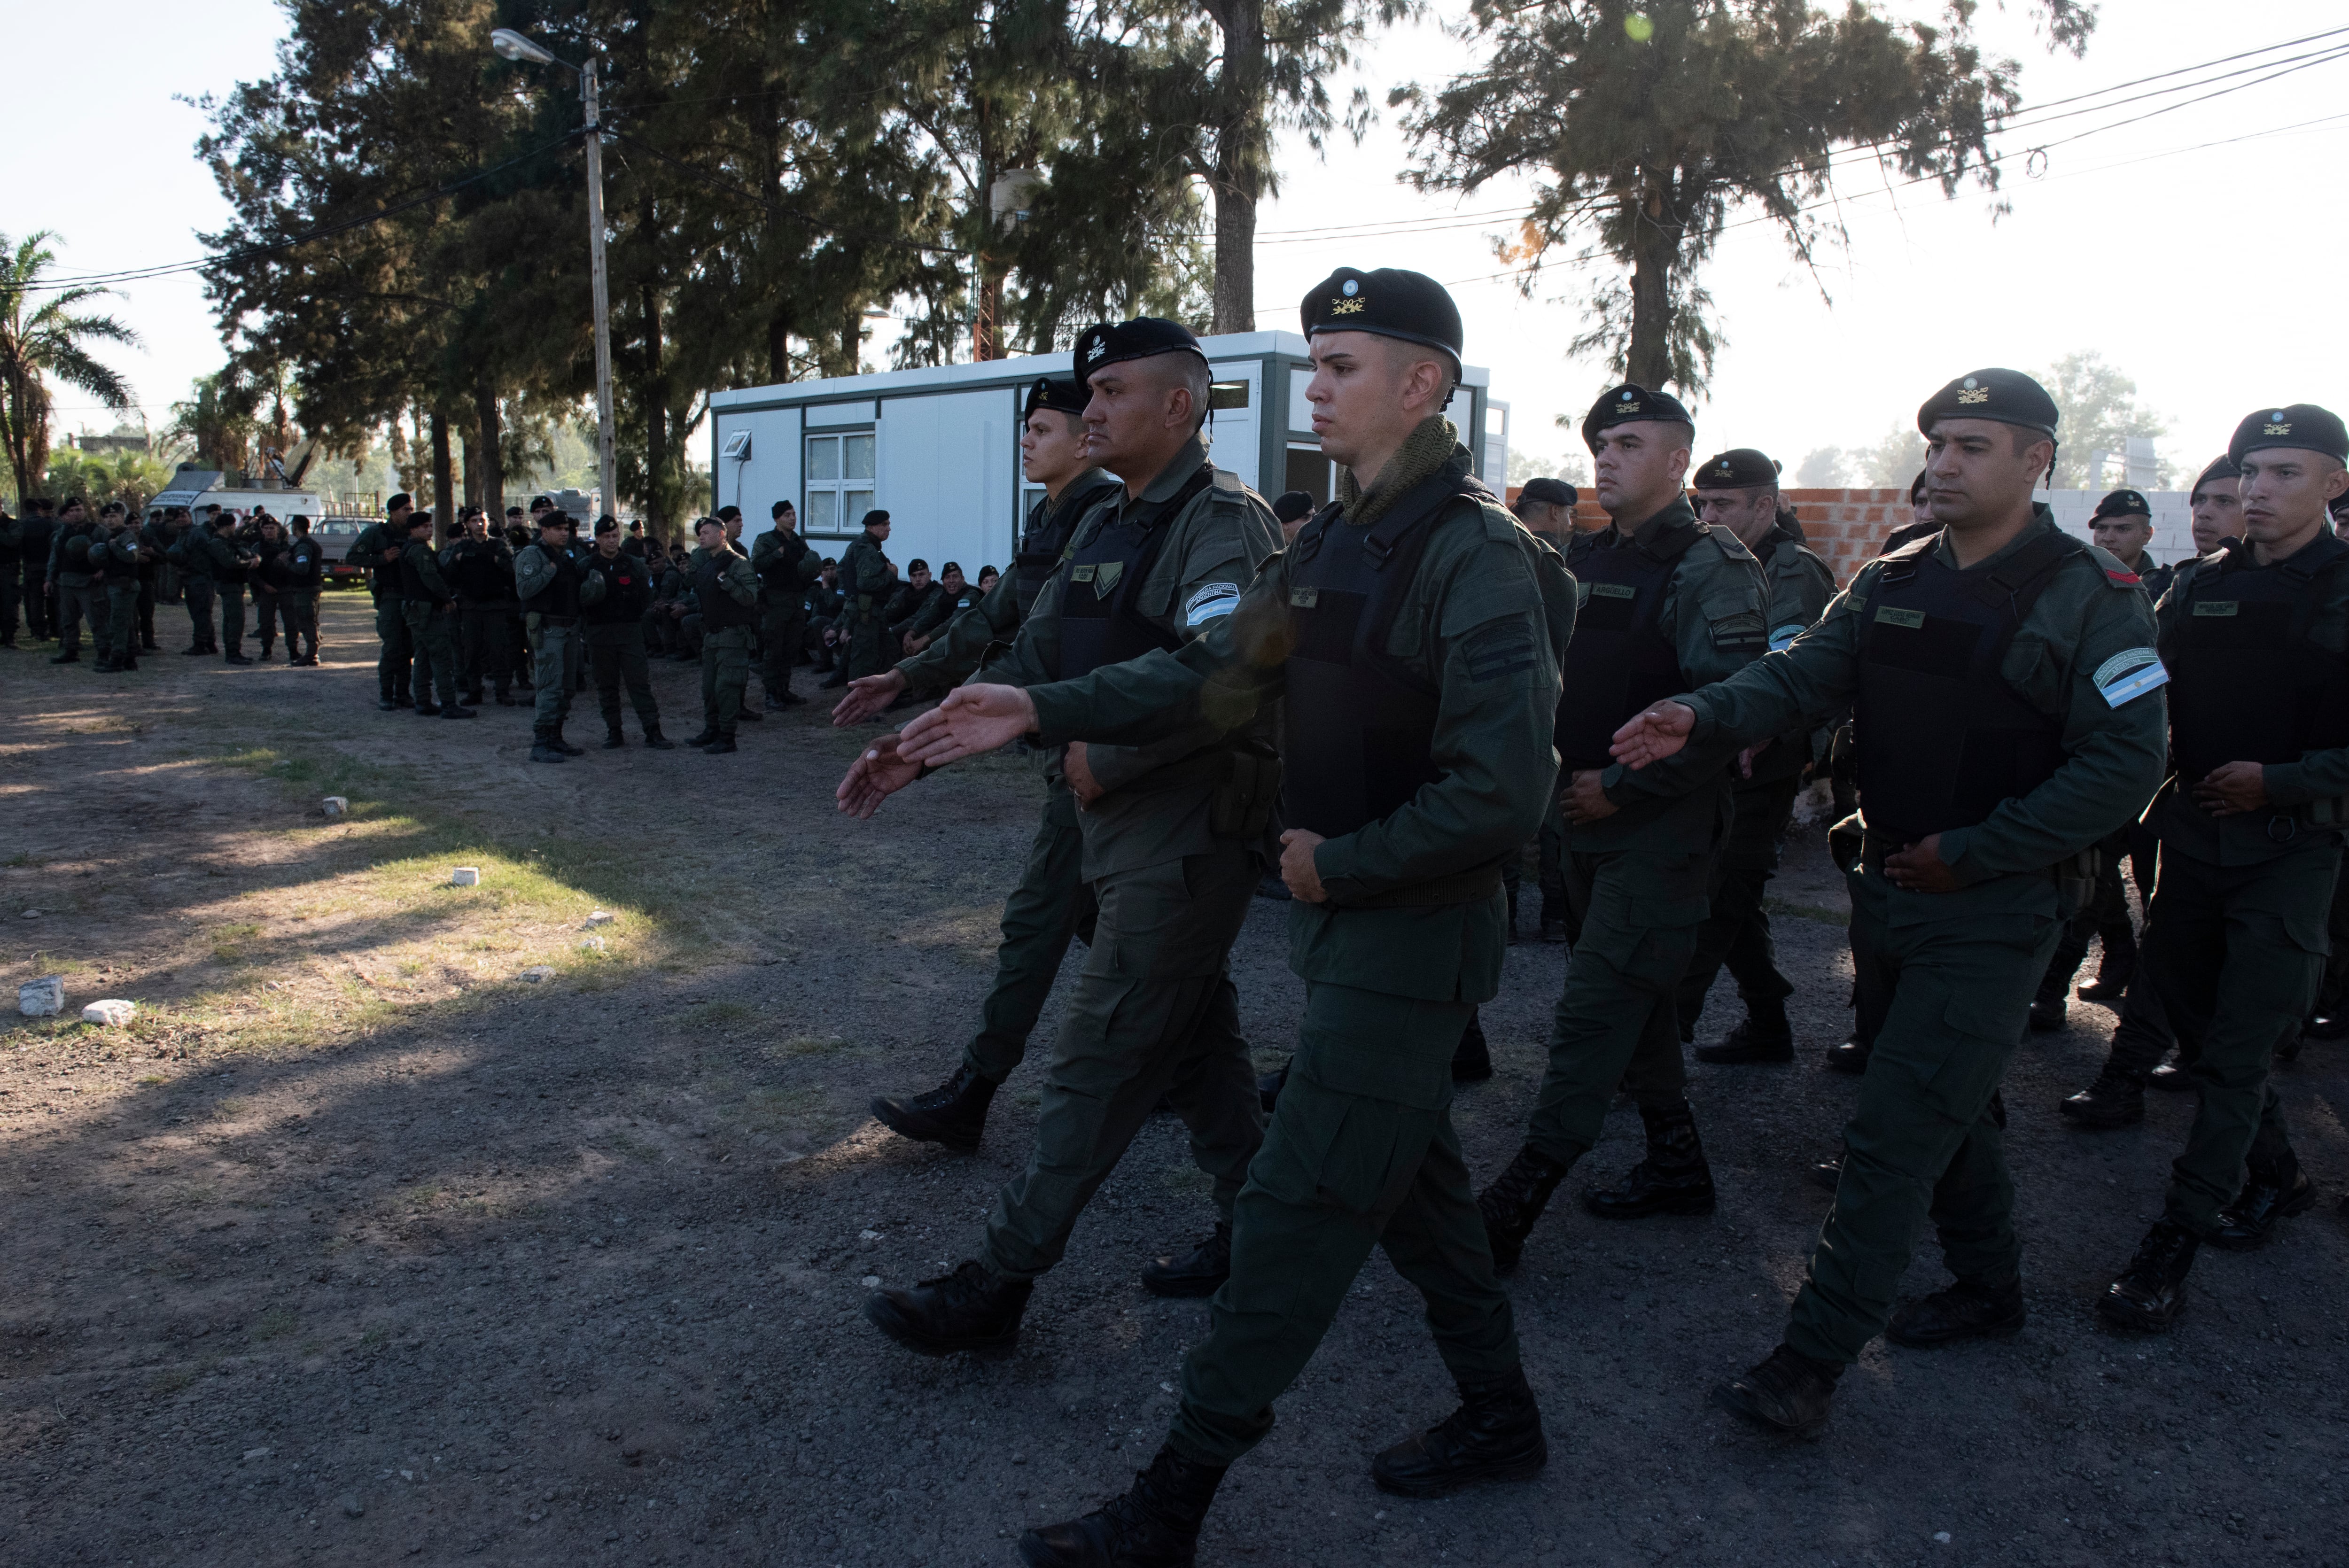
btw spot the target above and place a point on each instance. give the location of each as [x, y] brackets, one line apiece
[512, 45]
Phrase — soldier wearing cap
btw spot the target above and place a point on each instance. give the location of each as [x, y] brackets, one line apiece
[1546, 507]
[1738, 490]
[429, 607]
[1667, 602]
[379, 548]
[1174, 837]
[867, 577]
[727, 591]
[2009, 716]
[2254, 639]
[1414, 632]
[547, 581]
[2218, 508]
[1052, 904]
[613, 594]
[786, 568]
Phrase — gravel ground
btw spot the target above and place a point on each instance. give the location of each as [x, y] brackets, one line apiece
[458, 1267]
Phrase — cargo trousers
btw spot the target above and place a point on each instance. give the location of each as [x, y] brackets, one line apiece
[555, 651]
[2237, 955]
[197, 593]
[781, 629]
[1737, 929]
[725, 673]
[1343, 1171]
[1926, 1139]
[617, 653]
[1153, 1013]
[121, 641]
[1053, 905]
[1636, 911]
[76, 602]
[484, 648]
[392, 667]
[432, 637]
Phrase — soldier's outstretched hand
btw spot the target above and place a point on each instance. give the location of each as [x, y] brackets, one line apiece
[867, 695]
[880, 770]
[1653, 734]
[972, 720]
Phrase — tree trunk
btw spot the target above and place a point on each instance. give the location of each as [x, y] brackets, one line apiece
[1647, 360]
[444, 487]
[29, 431]
[779, 346]
[656, 396]
[1242, 155]
[490, 437]
[469, 454]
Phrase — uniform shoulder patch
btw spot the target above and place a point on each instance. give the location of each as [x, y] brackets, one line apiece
[2128, 674]
[1498, 649]
[1211, 601]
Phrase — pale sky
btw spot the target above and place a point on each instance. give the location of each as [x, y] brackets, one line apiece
[2211, 277]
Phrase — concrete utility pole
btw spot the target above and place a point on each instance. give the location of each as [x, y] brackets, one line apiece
[512, 45]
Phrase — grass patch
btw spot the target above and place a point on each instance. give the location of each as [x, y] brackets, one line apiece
[808, 1046]
[717, 1014]
[153, 1080]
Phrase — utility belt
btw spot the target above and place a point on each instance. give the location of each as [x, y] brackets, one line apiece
[1472, 886]
[1247, 786]
[2329, 814]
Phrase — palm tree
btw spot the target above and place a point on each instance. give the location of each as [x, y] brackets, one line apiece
[43, 333]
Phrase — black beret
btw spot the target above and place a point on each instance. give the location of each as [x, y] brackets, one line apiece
[1294, 506]
[554, 517]
[1391, 302]
[604, 525]
[1065, 397]
[537, 502]
[1556, 492]
[725, 515]
[1629, 403]
[1143, 337]
[2303, 427]
[2007, 396]
[875, 518]
[2219, 468]
[1740, 468]
[2124, 503]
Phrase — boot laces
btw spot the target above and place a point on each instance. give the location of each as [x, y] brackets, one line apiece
[1521, 1180]
[946, 1093]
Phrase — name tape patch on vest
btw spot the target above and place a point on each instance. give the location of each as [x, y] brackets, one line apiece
[1892, 617]
[2216, 606]
[1305, 598]
[2128, 674]
[1213, 600]
[1783, 637]
[1614, 591]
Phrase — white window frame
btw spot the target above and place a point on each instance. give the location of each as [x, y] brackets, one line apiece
[840, 489]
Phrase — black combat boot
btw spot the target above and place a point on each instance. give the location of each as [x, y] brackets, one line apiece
[954, 1113]
[1827, 1173]
[786, 698]
[2170, 1077]
[1964, 1311]
[1672, 1179]
[1494, 1435]
[65, 659]
[2276, 1189]
[565, 747]
[613, 739]
[2048, 1009]
[506, 698]
[657, 741]
[544, 749]
[2115, 968]
[1202, 1271]
[753, 714]
[834, 681]
[1849, 1055]
[2151, 1292]
[1763, 1035]
[427, 710]
[2115, 1099]
[720, 746]
[1513, 917]
[1553, 920]
[456, 711]
[1472, 1059]
[1510, 1206]
[1789, 1391]
[1154, 1525]
[704, 738]
[1269, 1085]
[969, 1309]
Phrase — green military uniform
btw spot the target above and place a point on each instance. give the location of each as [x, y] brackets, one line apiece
[482, 573]
[727, 592]
[613, 595]
[1052, 904]
[78, 599]
[547, 581]
[1959, 968]
[188, 555]
[1171, 848]
[785, 566]
[229, 563]
[866, 581]
[394, 662]
[1362, 1151]
[427, 604]
[2257, 654]
[1669, 592]
[1736, 928]
[118, 551]
[302, 572]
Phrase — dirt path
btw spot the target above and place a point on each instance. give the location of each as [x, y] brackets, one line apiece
[359, 1247]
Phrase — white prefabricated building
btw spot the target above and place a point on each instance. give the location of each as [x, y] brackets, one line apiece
[938, 449]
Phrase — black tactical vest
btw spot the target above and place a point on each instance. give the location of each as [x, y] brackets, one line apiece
[560, 596]
[1943, 739]
[2245, 683]
[411, 579]
[718, 610]
[1620, 660]
[780, 575]
[1357, 730]
[1046, 539]
[1100, 622]
[476, 574]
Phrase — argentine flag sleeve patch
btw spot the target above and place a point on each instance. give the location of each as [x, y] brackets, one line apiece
[1211, 600]
[2128, 674]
